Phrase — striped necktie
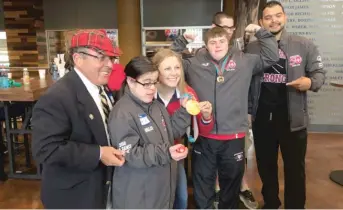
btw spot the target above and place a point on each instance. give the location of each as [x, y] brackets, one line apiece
[104, 103]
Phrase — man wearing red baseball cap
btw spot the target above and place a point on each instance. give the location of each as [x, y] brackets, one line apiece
[70, 135]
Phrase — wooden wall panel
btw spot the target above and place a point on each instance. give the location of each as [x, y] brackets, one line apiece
[23, 21]
[42, 49]
[2, 24]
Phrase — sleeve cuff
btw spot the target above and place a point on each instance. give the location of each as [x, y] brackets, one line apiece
[205, 122]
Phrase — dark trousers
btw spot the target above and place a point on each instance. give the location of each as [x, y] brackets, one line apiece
[226, 157]
[271, 131]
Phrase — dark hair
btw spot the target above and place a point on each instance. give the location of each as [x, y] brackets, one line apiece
[269, 5]
[136, 67]
[217, 18]
[69, 63]
[68, 57]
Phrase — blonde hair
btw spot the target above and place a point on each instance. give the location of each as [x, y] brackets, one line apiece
[160, 56]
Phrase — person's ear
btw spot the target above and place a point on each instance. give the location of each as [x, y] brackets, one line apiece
[78, 59]
[130, 81]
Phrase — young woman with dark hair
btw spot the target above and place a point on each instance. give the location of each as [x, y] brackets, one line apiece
[141, 126]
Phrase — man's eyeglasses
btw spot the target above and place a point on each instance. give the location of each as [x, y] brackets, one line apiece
[231, 28]
[148, 85]
[101, 58]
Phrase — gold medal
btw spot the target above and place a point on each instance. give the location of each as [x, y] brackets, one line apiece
[220, 79]
[192, 107]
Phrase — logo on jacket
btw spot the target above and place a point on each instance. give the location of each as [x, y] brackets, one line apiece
[239, 156]
[295, 60]
[274, 78]
[123, 146]
[163, 122]
[319, 59]
[144, 119]
[231, 65]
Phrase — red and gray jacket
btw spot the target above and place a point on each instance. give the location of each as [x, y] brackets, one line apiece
[229, 98]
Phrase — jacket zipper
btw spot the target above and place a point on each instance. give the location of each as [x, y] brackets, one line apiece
[215, 102]
[171, 184]
[286, 68]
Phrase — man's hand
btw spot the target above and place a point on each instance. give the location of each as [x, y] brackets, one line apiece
[252, 28]
[205, 109]
[111, 156]
[178, 152]
[190, 37]
[302, 83]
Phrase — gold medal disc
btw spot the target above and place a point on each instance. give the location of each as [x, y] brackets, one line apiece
[192, 107]
[220, 79]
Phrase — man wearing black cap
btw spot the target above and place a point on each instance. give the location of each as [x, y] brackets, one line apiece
[70, 137]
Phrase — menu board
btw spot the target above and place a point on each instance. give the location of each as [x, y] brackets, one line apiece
[321, 22]
[174, 13]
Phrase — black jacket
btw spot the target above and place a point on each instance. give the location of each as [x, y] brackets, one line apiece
[67, 132]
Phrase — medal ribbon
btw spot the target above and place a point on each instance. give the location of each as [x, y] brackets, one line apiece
[220, 72]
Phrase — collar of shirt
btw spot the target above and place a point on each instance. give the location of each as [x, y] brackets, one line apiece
[175, 96]
[92, 89]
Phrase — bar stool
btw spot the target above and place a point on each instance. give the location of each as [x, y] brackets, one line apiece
[16, 110]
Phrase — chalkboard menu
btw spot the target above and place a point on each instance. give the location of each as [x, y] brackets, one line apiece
[159, 13]
[84, 14]
[321, 22]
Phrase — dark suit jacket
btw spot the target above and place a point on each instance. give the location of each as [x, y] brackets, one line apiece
[67, 132]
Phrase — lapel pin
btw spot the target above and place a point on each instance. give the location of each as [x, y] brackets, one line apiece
[91, 116]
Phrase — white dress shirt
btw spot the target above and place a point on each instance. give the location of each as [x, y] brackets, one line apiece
[94, 92]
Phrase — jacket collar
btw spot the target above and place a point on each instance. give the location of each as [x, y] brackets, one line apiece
[284, 38]
[139, 102]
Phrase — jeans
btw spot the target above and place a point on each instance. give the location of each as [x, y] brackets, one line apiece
[181, 193]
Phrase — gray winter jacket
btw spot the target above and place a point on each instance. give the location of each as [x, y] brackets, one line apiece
[303, 59]
[145, 131]
[229, 99]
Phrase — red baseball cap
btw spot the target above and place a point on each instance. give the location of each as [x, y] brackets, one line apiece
[95, 39]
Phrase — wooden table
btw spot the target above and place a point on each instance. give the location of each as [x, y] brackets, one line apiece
[337, 175]
[25, 93]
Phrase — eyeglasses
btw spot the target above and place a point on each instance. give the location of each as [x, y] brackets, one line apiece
[101, 58]
[148, 85]
[231, 28]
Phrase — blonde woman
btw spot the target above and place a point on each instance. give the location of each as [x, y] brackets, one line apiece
[171, 88]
